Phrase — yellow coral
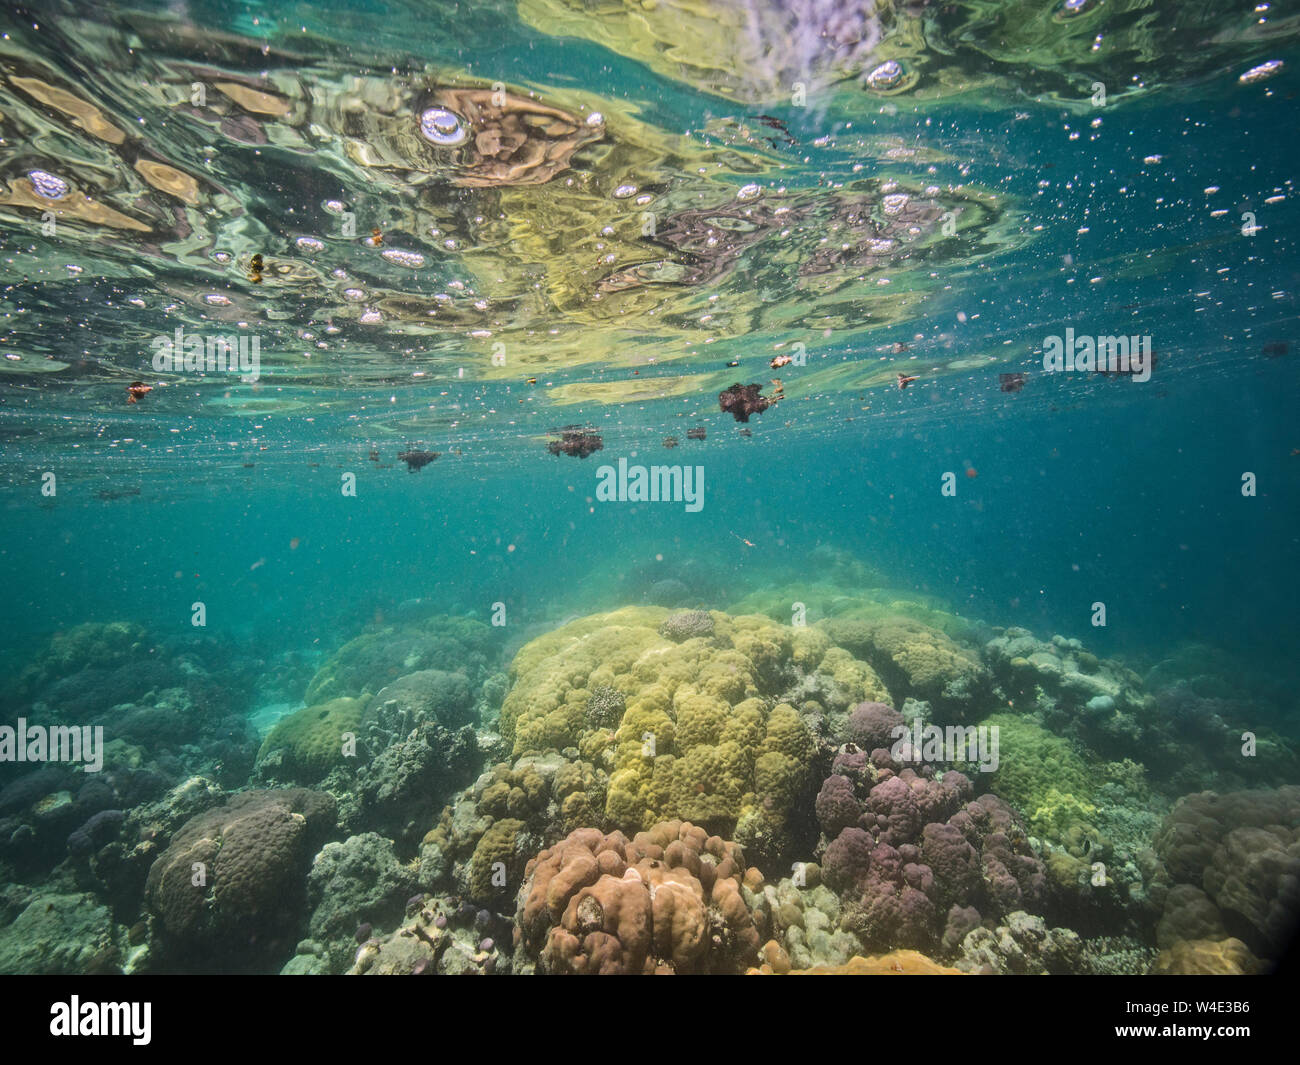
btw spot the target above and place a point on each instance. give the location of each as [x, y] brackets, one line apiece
[696, 739]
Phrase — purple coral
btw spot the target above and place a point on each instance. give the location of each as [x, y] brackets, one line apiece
[921, 854]
[847, 859]
[955, 862]
[97, 831]
[871, 726]
[836, 806]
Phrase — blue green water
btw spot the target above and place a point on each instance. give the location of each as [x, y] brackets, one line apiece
[474, 299]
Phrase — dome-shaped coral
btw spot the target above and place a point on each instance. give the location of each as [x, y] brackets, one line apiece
[668, 901]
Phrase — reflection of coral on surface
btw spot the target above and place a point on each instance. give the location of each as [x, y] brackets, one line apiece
[511, 140]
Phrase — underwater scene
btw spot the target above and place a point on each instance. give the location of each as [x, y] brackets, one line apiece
[523, 487]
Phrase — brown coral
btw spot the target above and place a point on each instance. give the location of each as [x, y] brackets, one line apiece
[233, 876]
[668, 901]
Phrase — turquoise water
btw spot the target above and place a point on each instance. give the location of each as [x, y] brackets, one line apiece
[464, 230]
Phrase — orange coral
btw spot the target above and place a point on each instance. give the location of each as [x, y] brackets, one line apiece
[668, 901]
[895, 963]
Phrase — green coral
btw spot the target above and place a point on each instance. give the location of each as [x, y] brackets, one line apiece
[1059, 812]
[916, 661]
[497, 862]
[306, 745]
[375, 659]
[1041, 774]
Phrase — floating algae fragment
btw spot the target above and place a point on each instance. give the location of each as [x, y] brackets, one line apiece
[170, 180]
[575, 441]
[25, 192]
[256, 101]
[84, 114]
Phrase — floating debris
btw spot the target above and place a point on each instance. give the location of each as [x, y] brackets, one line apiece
[416, 460]
[1275, 349]
[777, 124]
[781, 360]
[670, 441]
[576, 441]
[1012, 382]
[740, 401]
[255, 269]
[698, 433]
[136, 391]
[904, 381]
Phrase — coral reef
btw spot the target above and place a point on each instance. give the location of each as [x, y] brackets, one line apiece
[303, 747]
[374, 660]
[668, 901]
[1023, 945]
[1242, 850]
[407, 782]
[1042, 775]
[908, 851]
[646, 767]
[355, 884]
[895, 963]
[706, 734]
[63, 935]
[228, 890]
[1206, 957]
[437, 938]
[918, 662]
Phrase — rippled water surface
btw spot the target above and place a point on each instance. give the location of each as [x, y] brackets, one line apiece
[619, 202]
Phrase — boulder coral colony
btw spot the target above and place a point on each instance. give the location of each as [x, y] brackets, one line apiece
[658, 788]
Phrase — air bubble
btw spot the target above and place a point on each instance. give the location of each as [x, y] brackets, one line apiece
[442, 127]
[404, 258]
[887, 75]
[48, 185]
[1259, 73]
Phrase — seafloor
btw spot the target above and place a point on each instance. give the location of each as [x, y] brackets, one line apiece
[658, 788]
